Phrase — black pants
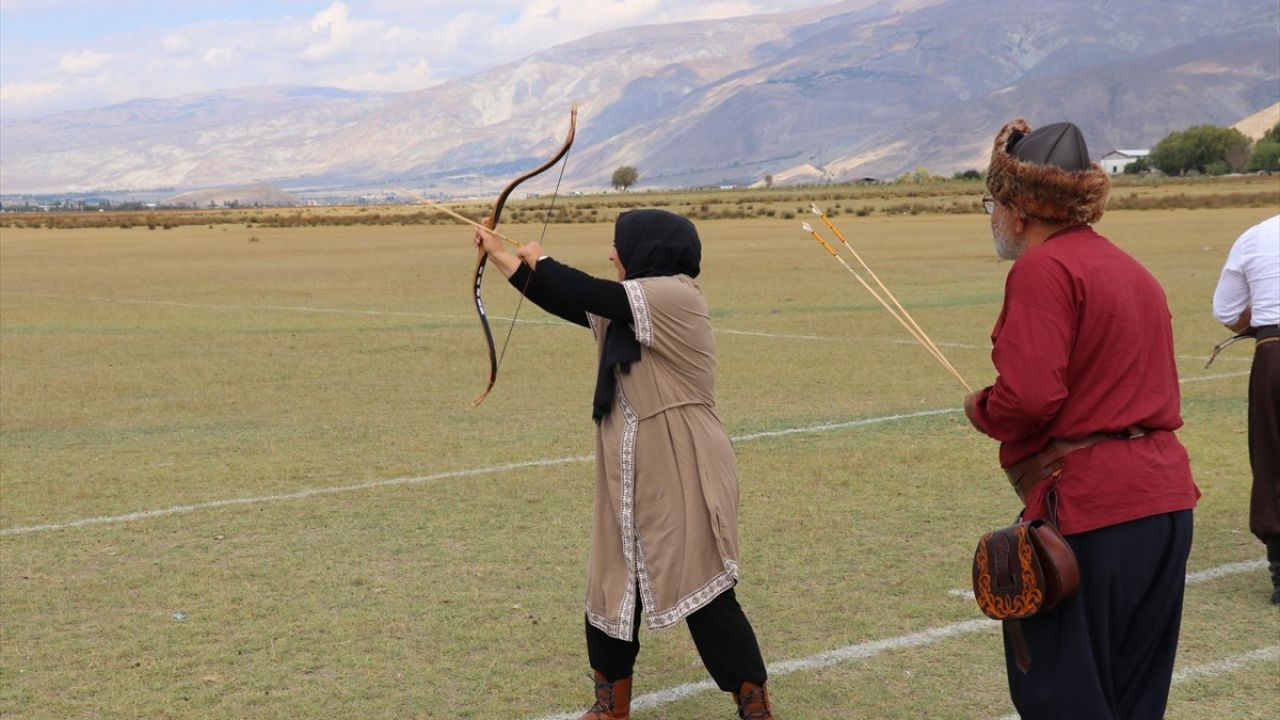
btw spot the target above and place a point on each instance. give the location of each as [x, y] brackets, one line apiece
[1107, 654]
[720, 631]
[1264, 446]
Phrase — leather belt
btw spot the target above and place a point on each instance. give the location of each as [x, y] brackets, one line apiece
[1026, 474]
[1267, 334]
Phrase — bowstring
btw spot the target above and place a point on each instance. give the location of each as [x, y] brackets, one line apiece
[547, 221]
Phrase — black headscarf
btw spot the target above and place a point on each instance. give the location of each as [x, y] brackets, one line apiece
[650, 243]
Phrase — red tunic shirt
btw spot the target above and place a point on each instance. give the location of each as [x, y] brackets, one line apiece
[1084, 344]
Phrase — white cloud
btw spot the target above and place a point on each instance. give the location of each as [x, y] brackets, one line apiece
[216, 57]
[544, 23]
[385, 45]
[337, 28]
[175, 42]
[28, 93]
[718, 10]
[80, 63]
[405, 77]
[37, 98]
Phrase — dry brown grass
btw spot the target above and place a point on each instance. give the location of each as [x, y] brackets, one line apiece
[941, 197]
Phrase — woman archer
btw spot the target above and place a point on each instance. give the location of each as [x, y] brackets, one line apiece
[665, 534]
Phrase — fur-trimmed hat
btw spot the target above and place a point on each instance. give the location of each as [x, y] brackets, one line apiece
[1046, 174]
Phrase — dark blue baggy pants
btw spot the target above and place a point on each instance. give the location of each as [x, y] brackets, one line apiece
[1107, 654]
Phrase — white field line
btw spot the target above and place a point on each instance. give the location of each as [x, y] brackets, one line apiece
[821, 660]
[872, 648]
[1201, 576]
[1202, 378]
[1193, 578]
[395, 482]
[1221, 358]
[1213, 669]
[310, 492]
[904, 341]
[779, 336]
[1226, 665]
[823, 427]
[392, 313]
[445, 316]
[147, 514]
[277, 308]
[845, 338]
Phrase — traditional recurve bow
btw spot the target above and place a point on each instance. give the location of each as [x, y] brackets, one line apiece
[1246, 333]
[491, 222]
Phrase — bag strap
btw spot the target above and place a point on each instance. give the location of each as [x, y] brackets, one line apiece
[1021, 653]
[1017, 641]
[1051, 497]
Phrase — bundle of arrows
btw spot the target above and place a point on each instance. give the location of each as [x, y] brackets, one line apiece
[898, 312]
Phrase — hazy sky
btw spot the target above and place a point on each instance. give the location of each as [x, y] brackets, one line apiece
[70, 54]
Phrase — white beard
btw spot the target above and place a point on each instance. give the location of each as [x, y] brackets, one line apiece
[1007, 246]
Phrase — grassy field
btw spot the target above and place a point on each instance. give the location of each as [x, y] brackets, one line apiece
[240, 477]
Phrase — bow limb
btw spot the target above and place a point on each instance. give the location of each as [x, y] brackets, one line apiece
[1228, 343]
[491, 222]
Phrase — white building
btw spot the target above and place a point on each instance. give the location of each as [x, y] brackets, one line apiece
[1115, 161]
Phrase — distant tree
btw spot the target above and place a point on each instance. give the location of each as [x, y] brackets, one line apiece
[969, 174]
[1137, 167]
[624, 177]
[1204, 149]
[1266, 153]
[768, 181]
[919, 176]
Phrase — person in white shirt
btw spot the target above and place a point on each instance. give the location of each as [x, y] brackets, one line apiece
[1247, 301]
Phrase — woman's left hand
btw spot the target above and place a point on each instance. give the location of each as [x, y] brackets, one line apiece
[491, 243]
[497, 254]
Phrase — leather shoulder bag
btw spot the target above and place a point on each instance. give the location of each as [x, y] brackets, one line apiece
[1022, 570]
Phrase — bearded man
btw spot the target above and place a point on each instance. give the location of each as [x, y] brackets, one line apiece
[1084, 406]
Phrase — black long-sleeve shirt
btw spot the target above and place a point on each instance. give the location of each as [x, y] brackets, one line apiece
[570, 294]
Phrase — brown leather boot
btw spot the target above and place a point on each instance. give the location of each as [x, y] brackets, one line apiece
[753, 702]
[613, 700]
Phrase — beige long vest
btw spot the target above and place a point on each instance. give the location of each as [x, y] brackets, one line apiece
[666, 496]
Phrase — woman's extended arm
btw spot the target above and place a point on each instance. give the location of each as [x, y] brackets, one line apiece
[559, 289]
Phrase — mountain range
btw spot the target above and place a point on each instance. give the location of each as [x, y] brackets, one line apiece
[860, 88]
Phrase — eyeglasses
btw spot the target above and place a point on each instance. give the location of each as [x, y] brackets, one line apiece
[988, 204]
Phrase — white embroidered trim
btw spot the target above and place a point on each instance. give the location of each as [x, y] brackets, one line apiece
[593, 321]
[692, 602]
[633, 553]
[622, 628]
[613, 629]
[640, 311]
